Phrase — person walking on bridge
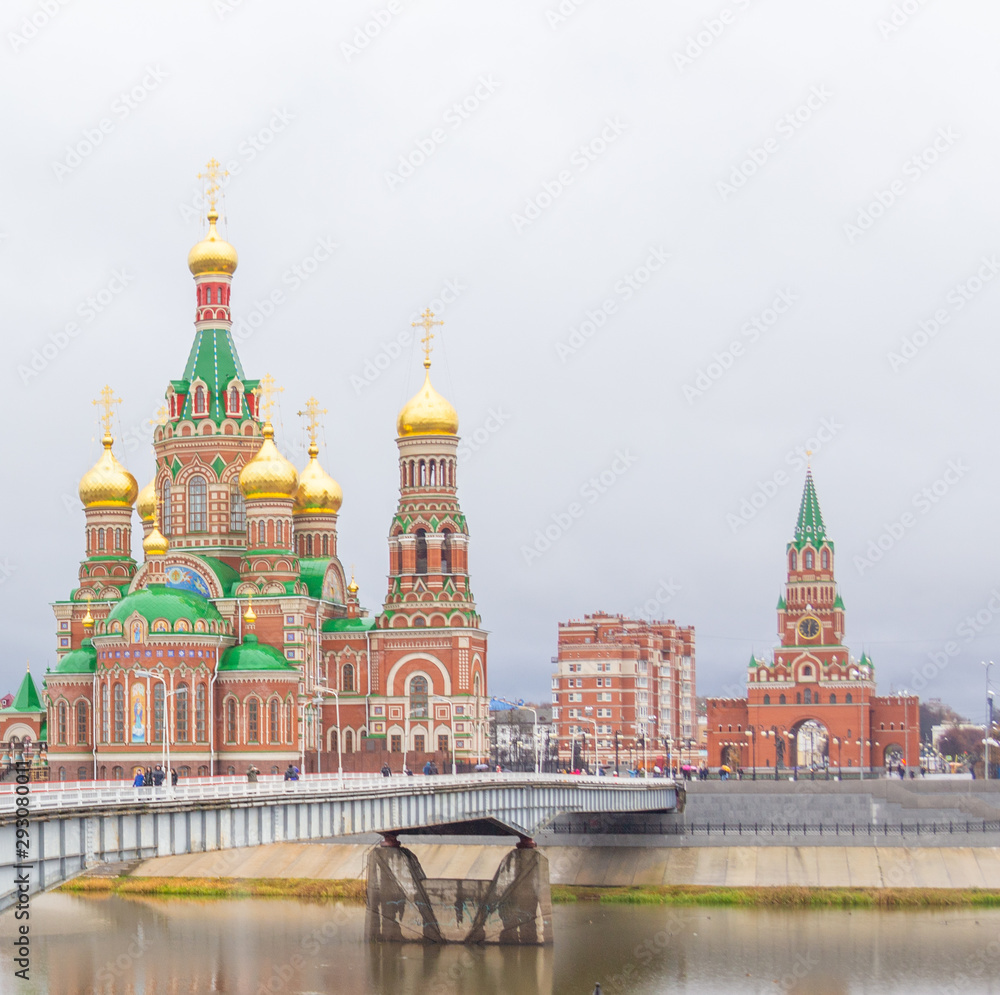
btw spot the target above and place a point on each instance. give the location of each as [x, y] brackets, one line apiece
[386, 772]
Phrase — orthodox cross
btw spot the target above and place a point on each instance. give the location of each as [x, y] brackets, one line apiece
[212, 174]
[107, 400]
[312, 413]
[268, 389]
[426, 322]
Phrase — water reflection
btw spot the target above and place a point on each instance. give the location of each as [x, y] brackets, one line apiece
[117, 946]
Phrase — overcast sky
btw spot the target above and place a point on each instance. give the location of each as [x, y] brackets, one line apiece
[674, 244]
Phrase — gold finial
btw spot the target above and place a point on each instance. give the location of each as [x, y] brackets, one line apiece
[107, 400]
[250, 616]
[161, 416]
[352, 587]
[427, 322]
[88, 619]
[268, 390]
[27, 668]
[212, 174]
[312, 412]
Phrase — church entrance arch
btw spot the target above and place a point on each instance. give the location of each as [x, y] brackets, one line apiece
[731, 757]
[810, 746]
[892, 756]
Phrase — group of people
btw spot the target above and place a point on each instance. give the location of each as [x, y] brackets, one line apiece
[153, 777]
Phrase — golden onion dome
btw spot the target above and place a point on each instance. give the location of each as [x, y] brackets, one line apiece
[212, 254]
[268, 474]
[427, 413]
[318, 492]
[156, 543]
[146, 502]
[107, 484]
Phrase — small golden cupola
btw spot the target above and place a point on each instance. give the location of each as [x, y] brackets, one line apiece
[146, 502]
[268, 474]
[318, 493]
[213, 254]
[427, 412]
[107, 484]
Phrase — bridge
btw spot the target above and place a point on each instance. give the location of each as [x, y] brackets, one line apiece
[52, 832]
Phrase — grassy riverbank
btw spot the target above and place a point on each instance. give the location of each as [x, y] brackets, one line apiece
[794, 898]
[354, 891]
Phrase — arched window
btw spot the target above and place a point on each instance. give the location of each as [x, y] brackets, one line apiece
[100, 539]
[231, 721]
[81, 773]
[277, 532]
[848, 698]
[348, 678]
[117, 773]
[798, 697]
[809, 560]
[767, 699]
[104, 713]
[61, 711]
[833, 699]
[166, 517]
[158, 699]
[418, 697]
[197, 504]
[119, 714]
[261, 534]
[781, 700]
[808, 696]
[200, 406]
[309, 545]
[348, 741]
[825, 559]
[82, 732]
[234, 400]
[793, 560]
[181, 713]
[199, 714]
[273, 730]
[118, 538]
[326, 546]
[253, 721]
[237, 508]
[288, 722]
[421, 550]
[446, 554]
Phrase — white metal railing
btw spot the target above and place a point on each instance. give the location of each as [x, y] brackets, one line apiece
[66, 796]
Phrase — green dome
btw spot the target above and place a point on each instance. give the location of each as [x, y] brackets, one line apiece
[79, 661]
[170, 603]
[251, 654]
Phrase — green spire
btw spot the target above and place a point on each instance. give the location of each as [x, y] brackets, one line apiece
[214, 359]
[781, 604]
[27, 698]
[809, 528]
[838, 602]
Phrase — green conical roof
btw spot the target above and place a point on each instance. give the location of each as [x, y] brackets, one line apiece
[27, 698]
[838, 602]
[781, 604]
[214, 359]
[809, 528]
[253, 655]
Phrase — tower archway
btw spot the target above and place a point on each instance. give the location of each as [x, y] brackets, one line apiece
[810, 745]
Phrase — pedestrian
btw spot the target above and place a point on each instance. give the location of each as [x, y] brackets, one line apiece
[292, 773]
[158, 776]
[140, 778]
[434, 768]
[252, 773]
[428, 769]
[408, 772]
[148, 777]
[386, 772]
[173, 777]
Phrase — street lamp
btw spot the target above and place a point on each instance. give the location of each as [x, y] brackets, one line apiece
[753, 743]
[167, 695]
[989, 720]
[321, 689]
[451, 722]
[520, 704]
[588, 713]
[838, 744]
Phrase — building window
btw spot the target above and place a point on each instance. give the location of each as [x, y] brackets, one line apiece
[443, 744]
[848, 698]
[347, 683]
[230, 721]
[418, 697]
[767, 699]
[825, 559]
[104, 713]
[199, 714]
[181, 714]
[100, 539]
[833, 699]
[81, 773]
[200, 406]
[81, 723]
[419, 744]
[117, 773]
[288, 721]
[273, 729]
[119, 714]
[421, 551]
[396, 743]
[197, 505]
[166, 516]
[781, 700]
[277, 533]
[808, 696]
[809, 560]
[237, 509]
[793, 560]
[348, 741]
[234, 401]
[253, 721]
[61, 711]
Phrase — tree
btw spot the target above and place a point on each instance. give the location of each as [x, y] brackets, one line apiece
[934, 713]
[958, 742]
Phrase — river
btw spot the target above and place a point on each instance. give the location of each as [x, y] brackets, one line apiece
[137, 946]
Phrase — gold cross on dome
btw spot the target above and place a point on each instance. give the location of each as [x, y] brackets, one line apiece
[212, 174]
[268, 389]
[426, 322]
[107, 400]
[312, 412]
[161, 416]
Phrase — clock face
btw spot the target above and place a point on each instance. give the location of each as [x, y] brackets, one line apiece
[809, 627]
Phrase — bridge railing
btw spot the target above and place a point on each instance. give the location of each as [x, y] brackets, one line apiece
[88, 794]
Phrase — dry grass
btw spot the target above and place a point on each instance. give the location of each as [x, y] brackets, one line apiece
[310, 888]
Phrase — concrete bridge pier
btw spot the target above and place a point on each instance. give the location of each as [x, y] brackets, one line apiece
[404, 905]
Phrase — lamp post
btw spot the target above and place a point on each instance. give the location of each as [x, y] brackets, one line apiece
[989, 720]
[617, 771]
[588, 713]
[753, 745]
[520, 704]
[321, 689]
[167, 695]
[451, 725]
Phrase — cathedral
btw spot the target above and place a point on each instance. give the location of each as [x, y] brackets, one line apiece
[238, 638]
[812, 706]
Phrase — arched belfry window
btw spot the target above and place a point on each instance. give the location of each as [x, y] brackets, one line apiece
[197, 504]
[166, 517]
[237, 508]
[446, 554]
[421, 551]
[234, 401]
[348, 679]
[418, 697]
[200, 400]
[793, 560]
[809, 560]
